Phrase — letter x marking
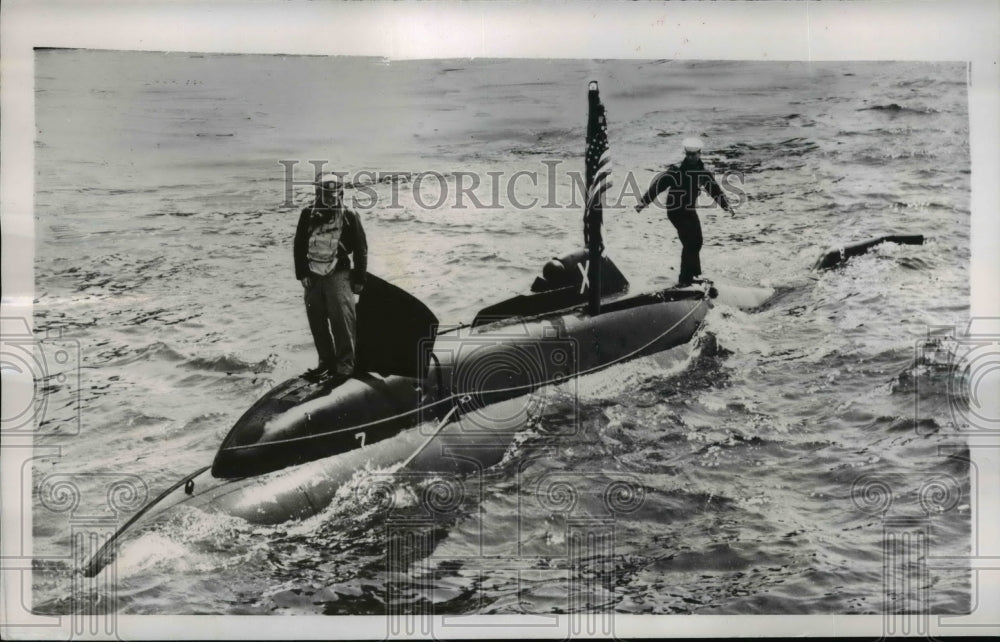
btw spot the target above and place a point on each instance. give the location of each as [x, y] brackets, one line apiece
[584, 270]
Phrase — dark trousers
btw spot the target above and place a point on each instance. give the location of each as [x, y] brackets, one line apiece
[689, 232]
[330, 306]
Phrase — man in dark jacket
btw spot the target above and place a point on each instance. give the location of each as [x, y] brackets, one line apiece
[684, 181]
[327, 234]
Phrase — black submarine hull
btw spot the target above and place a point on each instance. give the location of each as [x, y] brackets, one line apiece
[300, 421]
[291, 452]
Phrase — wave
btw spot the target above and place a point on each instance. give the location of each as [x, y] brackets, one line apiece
[924, 82]
[913, 263]
[112, 191]
[230, 364]
[156, 351]
[899, 109]
[919, 205]
[180, 214]
[874, 157]
[132, 418]
[162, 316]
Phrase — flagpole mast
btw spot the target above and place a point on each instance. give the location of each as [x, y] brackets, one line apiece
[598, 178]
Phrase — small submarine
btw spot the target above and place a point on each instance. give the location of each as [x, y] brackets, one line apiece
[443, 400]
[289, 453]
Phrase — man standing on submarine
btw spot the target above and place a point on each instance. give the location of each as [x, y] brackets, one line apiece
[685, 180]
[328, 234]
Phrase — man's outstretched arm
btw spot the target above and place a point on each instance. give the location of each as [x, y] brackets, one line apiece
[712, 187]
[663, 182]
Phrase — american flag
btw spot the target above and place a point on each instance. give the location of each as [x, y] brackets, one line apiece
[598, 163]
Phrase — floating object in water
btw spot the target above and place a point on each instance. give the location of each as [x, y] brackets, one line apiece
[835, 257]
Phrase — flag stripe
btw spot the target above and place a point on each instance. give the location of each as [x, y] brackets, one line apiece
[597, 162]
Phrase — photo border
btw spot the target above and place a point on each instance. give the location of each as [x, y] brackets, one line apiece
[813, 31]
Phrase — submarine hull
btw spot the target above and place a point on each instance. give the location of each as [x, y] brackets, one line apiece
[300, 421]
[290, 464]
[295, 493]
[296, 447]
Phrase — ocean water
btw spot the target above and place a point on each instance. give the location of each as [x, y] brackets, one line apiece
[764, 463]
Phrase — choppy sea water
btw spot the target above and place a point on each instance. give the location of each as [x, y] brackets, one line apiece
[764, 463]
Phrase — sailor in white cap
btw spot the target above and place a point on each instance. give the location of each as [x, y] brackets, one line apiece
[692, 145]
[328, 234]
[684, 181]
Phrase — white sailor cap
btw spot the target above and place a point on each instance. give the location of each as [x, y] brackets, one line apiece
[325, 178]
[692, 144]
